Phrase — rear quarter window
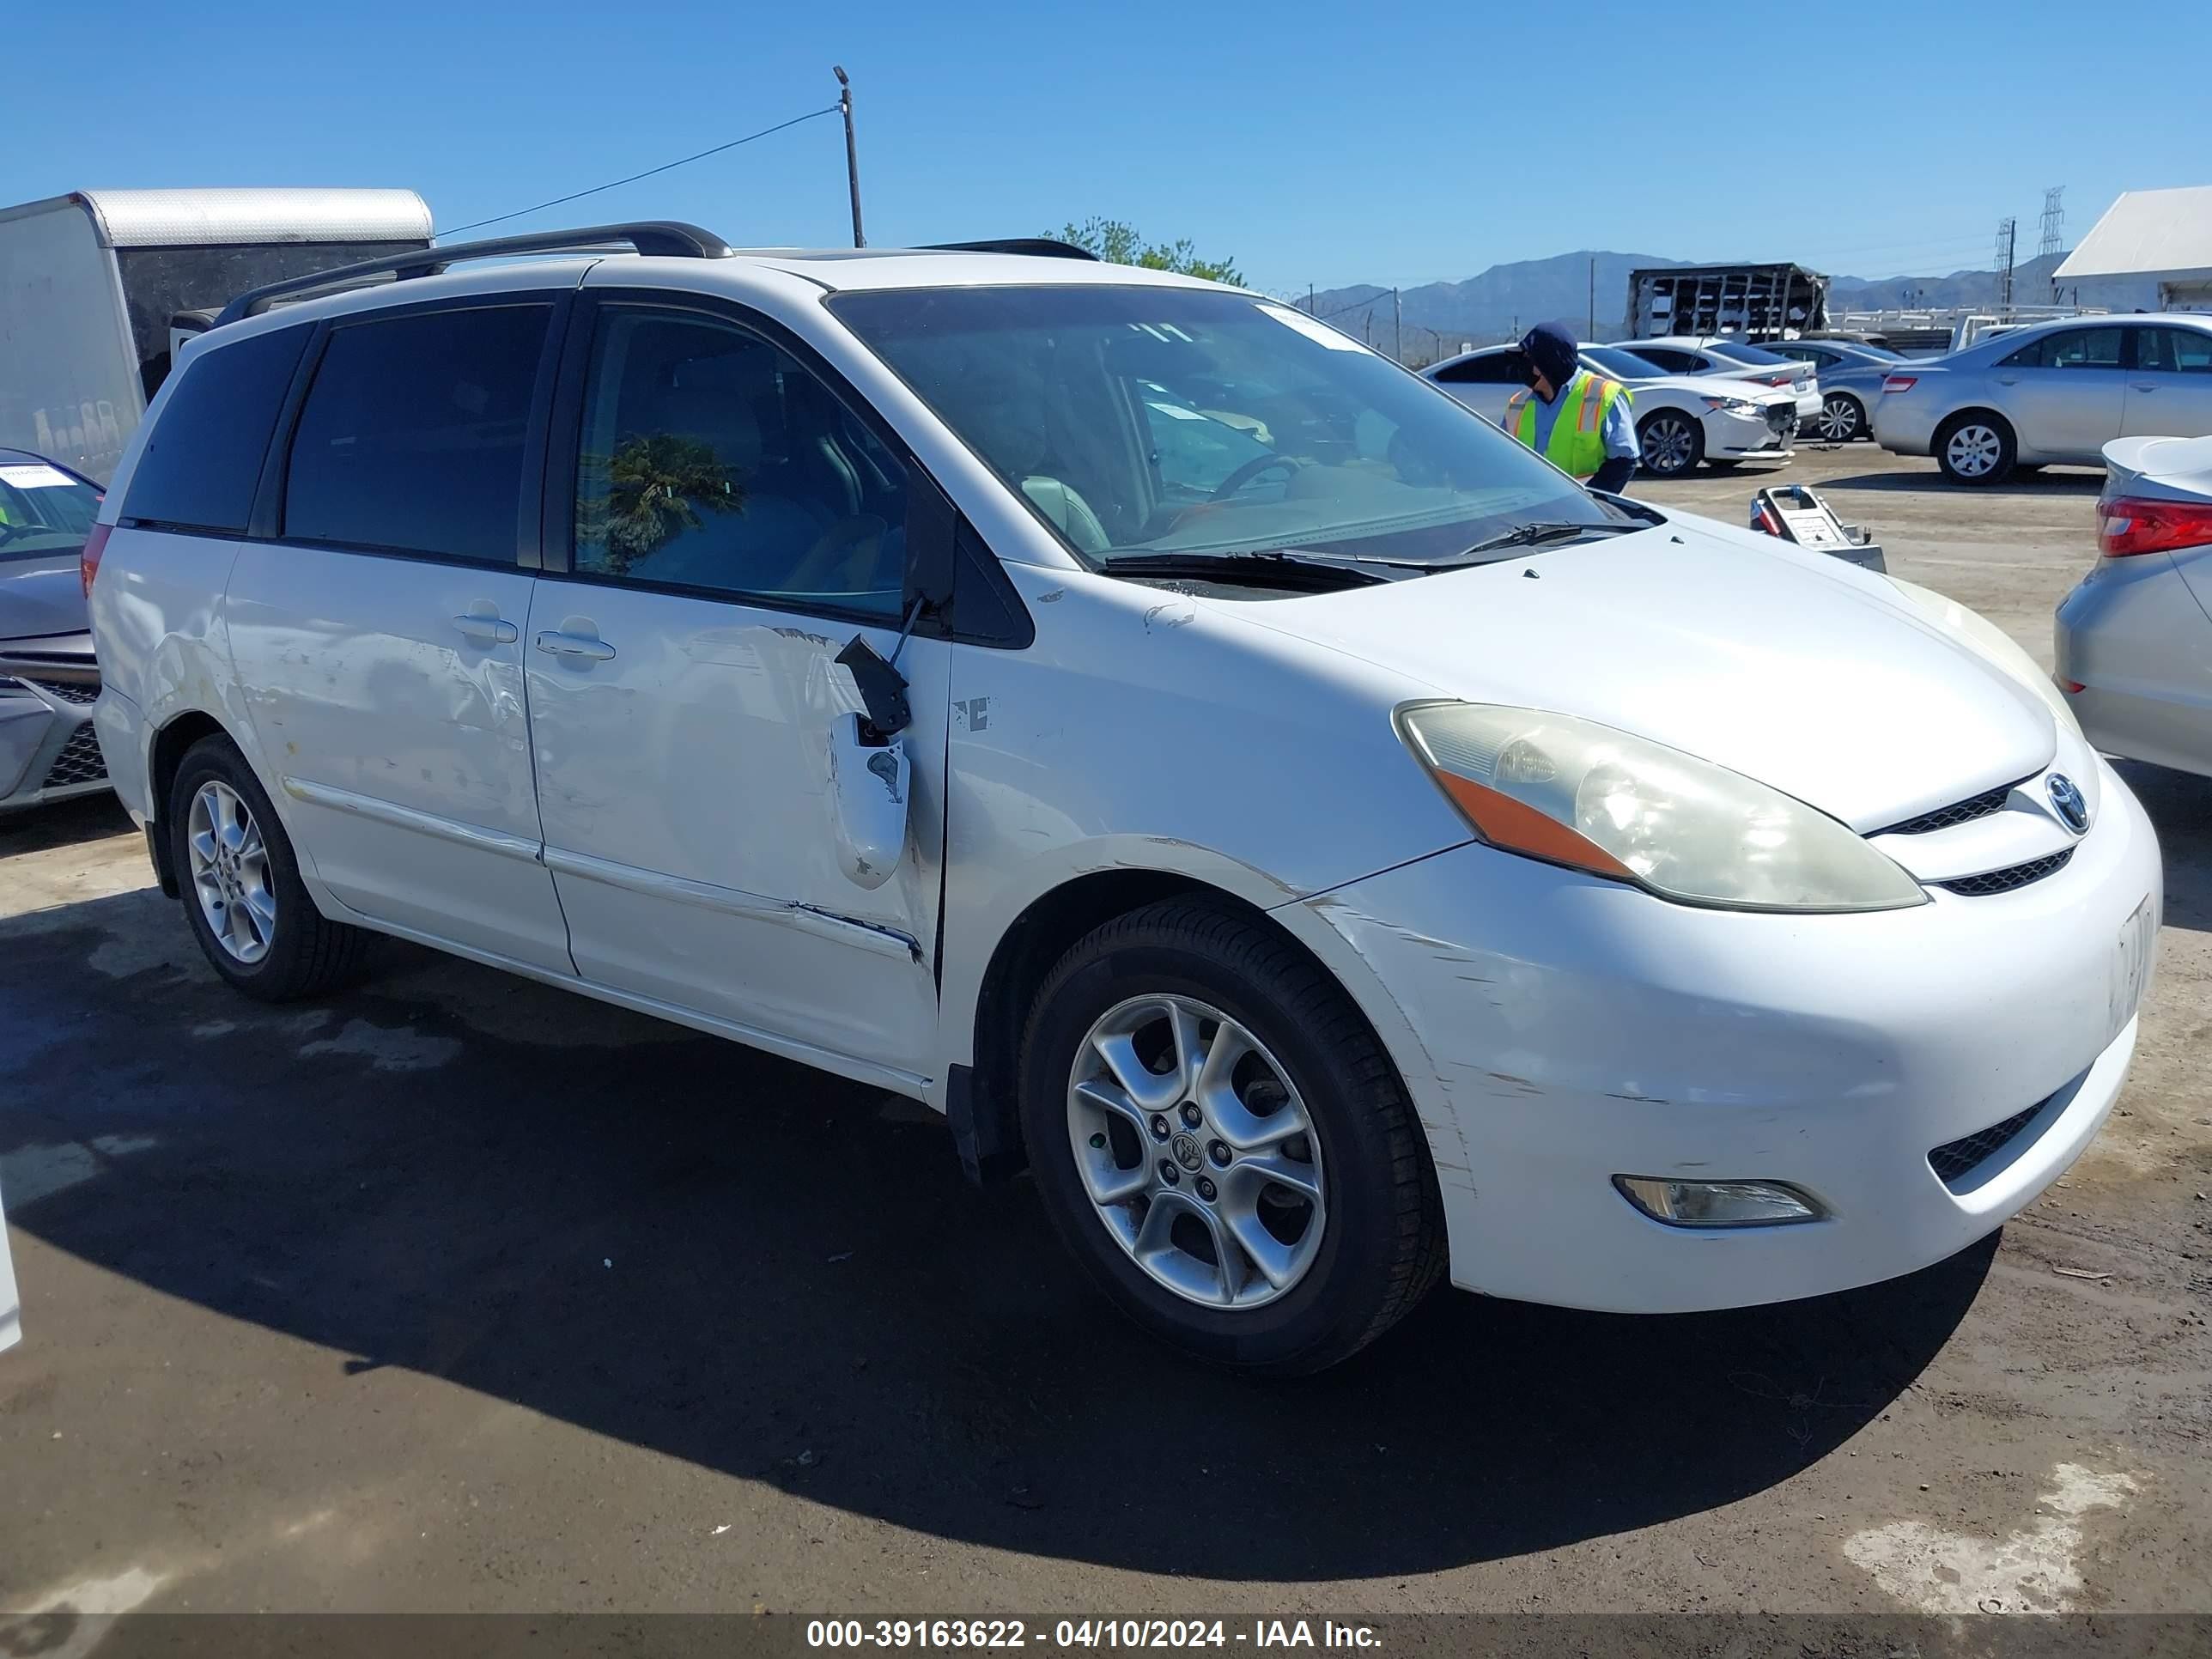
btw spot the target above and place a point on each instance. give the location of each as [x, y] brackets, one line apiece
[203, 459]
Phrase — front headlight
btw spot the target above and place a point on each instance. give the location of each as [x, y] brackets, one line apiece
[1574, 792]
[1734, 406]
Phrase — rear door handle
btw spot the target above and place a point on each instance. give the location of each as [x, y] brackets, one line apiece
[556, 644]
[485, 630]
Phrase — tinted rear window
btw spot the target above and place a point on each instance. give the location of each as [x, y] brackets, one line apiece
[203, 459]
[413, 434]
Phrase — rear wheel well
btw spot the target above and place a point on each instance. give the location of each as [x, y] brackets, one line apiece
[171, 745]
[1026, 953]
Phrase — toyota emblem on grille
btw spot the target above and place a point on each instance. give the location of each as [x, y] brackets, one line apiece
[2066, 800]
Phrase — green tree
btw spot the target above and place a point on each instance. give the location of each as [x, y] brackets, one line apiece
[1116, 242]
[648, 492]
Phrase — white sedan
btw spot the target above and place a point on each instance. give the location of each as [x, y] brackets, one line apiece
[1331, 850]
[1680, 419]
[1683, 354]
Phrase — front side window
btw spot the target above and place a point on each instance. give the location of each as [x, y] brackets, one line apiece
[412, 436]
[1673, 361]
[710, 458]
[1076, 397]
[44, 511]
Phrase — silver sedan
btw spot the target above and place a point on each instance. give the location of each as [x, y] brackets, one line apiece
[2058, 392]
[2135, 637]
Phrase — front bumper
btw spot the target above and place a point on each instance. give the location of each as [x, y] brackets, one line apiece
[49, 751]
[1748, 437]
[1556, 1030]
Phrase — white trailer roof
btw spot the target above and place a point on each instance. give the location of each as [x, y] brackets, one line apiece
[202, 218]
[2147, 232]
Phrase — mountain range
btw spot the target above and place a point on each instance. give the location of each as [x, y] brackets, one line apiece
[1576, 286]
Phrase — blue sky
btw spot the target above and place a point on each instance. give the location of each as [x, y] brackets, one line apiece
[1314, 144]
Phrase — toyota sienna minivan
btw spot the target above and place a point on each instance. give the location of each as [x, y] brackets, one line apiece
[1323, 844]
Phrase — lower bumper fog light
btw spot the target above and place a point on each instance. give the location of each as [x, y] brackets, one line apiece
[1718, 1203]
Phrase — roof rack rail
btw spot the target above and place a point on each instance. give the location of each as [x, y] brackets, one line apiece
[670, 238]
[1044, 247]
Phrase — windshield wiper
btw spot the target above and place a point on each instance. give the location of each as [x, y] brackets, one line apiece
[1287, 565]
[1539, 531]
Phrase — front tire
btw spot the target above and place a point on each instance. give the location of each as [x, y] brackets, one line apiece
[1975, 448]
[1222, 1144]
[240, 883]
[1842, 418]
[1671, 443]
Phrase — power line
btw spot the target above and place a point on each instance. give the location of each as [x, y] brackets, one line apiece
[501, 218]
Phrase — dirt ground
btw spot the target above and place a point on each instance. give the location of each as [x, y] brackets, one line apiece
[459, 1293]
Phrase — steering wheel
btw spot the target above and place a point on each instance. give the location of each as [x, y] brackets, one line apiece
[1251, 469]
[9, 532]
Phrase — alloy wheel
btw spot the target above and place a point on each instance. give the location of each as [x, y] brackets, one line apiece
[1666, 444]
[1196, 1151]
[1973, 450]
[230, 872]
[1838, 419]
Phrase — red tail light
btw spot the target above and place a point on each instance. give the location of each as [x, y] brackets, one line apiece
[1899, 382]
[88, 562]
[2131, 524]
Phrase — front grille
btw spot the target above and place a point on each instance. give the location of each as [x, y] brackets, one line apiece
[2003, 881]
[67, 690]
[79, 761]
[1965, 811]
[1782, 418]
[1955, 1160]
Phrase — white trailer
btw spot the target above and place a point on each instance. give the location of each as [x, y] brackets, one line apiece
[90, 283]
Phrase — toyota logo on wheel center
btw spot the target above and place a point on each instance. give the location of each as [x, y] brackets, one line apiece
[1186, 1150]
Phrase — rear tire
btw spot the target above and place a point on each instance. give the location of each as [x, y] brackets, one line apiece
[1669, 443]
[240, 882]
[1975, 448]
[1304, 1091]
[1842, 418]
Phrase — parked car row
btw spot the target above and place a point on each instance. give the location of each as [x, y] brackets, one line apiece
[1681, 419]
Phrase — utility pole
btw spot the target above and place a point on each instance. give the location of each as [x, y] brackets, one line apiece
[1397, 327]
[1592, 335]
[2007, 229]
[851, 149]
[1309, 300]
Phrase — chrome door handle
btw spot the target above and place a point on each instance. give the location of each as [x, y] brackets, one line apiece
[487, 630]
[2144, 385]
[556, 644]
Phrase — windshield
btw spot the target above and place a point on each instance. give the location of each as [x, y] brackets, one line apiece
[1201, 423]
[43, 510]
[1749, 354]
[1622, 365]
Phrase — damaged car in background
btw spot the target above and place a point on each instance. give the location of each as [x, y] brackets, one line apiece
[49, 682]
[1324, 846]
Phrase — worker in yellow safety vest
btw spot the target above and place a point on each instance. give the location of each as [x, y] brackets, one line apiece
[1575, 419]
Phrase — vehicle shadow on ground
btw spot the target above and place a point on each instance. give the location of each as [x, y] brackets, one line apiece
[709, 1252]
[66, 824]
[2056, 481]
[2180, 807]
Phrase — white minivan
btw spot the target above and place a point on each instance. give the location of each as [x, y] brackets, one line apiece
[1324, 844]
